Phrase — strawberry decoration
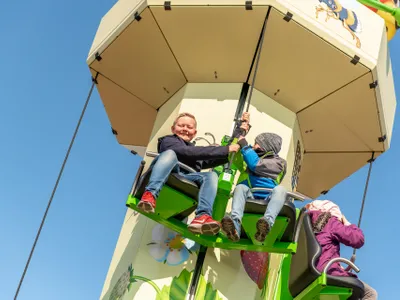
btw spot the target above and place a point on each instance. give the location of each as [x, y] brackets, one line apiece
[256, 266]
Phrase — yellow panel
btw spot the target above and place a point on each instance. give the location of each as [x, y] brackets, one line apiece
[344, 121]
[322, 171]
[212, 44]
[297, 67]
[132, 118]
[140, 61]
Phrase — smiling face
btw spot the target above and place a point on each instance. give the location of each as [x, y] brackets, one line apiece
[185, 127]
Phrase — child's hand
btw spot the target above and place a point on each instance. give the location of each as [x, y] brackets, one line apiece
[246, 117]
[245, 126]
[234, 148]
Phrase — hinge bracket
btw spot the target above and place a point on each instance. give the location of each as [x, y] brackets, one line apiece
[288, 16]
[137, 16]
[381, 139]
[355, 60]
[167, 5]
[373, 85]
[249, 5]
[97, 56]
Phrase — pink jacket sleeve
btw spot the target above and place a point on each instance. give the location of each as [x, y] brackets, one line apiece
[351, 235]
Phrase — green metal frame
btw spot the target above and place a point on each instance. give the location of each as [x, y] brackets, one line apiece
[167, 209]
[316, 290]
[320, 288]
[165, 212]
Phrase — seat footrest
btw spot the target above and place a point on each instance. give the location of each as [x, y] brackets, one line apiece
[169, 203]
[217, 241]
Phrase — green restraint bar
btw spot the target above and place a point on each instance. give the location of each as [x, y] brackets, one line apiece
[177, 200]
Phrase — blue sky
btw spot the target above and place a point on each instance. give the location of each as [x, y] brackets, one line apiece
[44, 81]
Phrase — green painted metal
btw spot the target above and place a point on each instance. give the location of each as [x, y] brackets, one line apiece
[169, 203]
[313, 290]
[317, 290]
[225, 183]
[217, 241]
[395, 12]
[284, 277]
[249, 225]
[341, 292]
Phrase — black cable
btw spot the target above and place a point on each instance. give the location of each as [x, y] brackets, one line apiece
[94, 80]
[258, 59]
[364, 197]
[257, 55]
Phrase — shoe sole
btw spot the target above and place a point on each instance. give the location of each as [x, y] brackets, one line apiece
[206, 229]
[146, 207]
[228, 227]
[262, 230]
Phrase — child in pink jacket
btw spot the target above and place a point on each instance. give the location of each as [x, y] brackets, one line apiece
[332, 231]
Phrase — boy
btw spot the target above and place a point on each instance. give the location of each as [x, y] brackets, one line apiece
[265, 169]
[177, 147]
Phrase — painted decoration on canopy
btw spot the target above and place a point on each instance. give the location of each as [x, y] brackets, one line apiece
[342, 11]
[256, 265]
[125, 282]
[390, 21]
[169, 247]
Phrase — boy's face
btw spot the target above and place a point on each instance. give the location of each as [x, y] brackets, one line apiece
[185, 128]
[256, 146]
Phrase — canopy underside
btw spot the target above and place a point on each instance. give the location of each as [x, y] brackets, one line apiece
[162, 50]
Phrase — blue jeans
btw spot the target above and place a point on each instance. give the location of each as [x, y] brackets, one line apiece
[166, 163]
[242, 192]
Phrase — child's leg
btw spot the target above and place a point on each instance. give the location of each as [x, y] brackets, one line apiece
[278, 198]
[264, 224]
[369, 292]
[163, 165]
[232, 225]
[203, 223]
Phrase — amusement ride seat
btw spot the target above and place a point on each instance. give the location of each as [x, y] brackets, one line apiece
[306, 282]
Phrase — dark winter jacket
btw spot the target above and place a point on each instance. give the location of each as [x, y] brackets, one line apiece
[196, 157]
[264, 169]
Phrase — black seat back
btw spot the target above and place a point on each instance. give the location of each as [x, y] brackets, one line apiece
[302, 270]
[258, 206]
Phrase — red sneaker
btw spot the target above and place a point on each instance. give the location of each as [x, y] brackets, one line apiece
[204, 224]
[147, 203]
